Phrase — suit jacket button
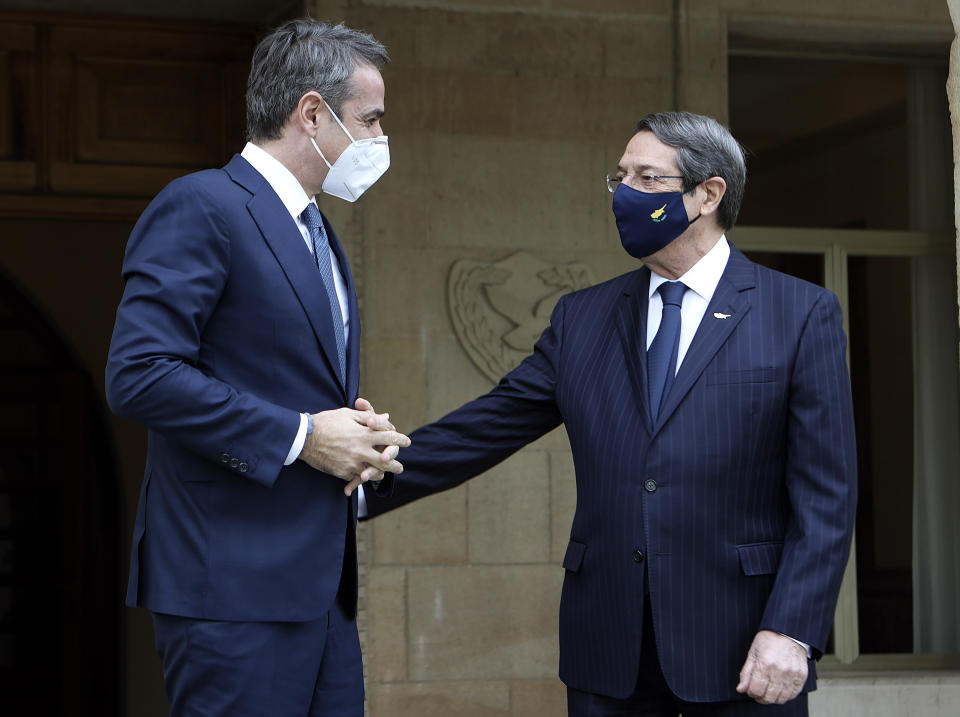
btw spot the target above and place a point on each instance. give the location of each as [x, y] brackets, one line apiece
[650, 485]
[224, 458]
[638, 556]
[234, 462]
[243, 467]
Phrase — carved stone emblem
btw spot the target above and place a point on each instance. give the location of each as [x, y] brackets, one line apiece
[499, 309]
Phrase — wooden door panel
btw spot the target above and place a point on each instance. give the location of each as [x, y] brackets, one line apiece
[18, 111]
[133, 107]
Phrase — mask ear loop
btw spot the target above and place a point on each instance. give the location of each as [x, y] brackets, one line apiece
[338, 121]
[334, 115]
[329, 166]
[699, 214]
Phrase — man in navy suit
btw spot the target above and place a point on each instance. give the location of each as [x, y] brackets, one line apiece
[708, 408]
[236, 345]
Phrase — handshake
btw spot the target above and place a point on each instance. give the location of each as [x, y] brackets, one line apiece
[356, 445]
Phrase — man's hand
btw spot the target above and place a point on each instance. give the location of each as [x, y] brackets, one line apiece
[355, 445]
[775, 670]
[377, 422]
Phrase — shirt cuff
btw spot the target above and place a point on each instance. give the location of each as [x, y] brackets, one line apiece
[361, 503]
[298, 441]
[804, 645]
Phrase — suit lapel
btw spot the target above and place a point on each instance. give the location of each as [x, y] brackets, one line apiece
[730, 303]
[632, 325]
[353, 343]
[283, 237]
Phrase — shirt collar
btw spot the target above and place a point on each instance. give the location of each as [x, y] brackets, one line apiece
[280, 179]
[703, 276]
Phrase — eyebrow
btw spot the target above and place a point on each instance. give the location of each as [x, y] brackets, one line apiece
[374, 114]
[641, 169]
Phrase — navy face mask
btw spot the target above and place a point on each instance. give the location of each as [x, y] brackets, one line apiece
[648, 221]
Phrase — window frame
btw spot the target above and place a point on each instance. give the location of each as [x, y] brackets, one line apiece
[836, 246]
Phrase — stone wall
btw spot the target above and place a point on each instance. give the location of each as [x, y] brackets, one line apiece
[503, 118]
[953, 95]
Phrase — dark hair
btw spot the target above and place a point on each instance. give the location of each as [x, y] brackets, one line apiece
[299, 56]
[705, 148]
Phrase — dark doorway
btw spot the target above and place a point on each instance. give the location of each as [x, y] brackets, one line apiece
[59, 522]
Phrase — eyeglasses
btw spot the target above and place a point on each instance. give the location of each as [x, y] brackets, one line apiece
[643, 182]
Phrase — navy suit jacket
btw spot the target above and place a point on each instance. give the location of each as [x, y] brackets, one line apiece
[223, 336]
[734, 511]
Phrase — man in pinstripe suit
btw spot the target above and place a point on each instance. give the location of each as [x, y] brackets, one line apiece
[708, 408]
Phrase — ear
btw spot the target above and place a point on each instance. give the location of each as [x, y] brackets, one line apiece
[308, 114]
[714, 189]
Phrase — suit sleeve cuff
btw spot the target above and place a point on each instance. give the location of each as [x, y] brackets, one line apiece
[298, 442]
[804, 645]
[361, 503]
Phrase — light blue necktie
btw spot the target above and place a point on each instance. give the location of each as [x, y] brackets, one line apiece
[321, 252]
[662, 354]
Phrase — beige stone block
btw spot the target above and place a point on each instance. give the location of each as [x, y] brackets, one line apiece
[887, 695]
[613, 260]
[537, 698]
[477, 5]
[916, 11]
[441, 699]
[327, 10]
[401, 202]
[346, 220]
[591, 109]
[394, 380]
[407, 292]
[705, 47]
[614, 7]
[555, 440]
[386, 646]
[452, 379]
[517, 194]
[454, 101]
[493, 192]
[638, 49]
[486, 622]
[398, 294]
[431, 530]
[512, 43]
[393, 26]
[508, 510]
[563, 502]
[707, 95]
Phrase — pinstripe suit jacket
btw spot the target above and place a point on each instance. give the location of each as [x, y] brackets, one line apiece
[741, 497]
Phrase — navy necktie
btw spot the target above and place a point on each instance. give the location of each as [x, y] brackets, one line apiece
[662, 354]
[321, 252]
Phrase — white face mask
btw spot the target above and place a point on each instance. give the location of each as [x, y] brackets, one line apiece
[361, 164]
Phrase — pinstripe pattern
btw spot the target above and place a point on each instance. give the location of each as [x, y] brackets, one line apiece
[741, 495]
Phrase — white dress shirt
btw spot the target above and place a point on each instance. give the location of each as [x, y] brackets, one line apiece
[701, 281]
[291, 193]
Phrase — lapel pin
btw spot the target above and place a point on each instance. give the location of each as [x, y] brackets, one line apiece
[718, 315]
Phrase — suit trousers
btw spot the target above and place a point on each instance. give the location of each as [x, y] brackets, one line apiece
[652, 696]
[215, 668]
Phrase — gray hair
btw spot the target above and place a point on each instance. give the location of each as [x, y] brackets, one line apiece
[705, 148]
[300, 56]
